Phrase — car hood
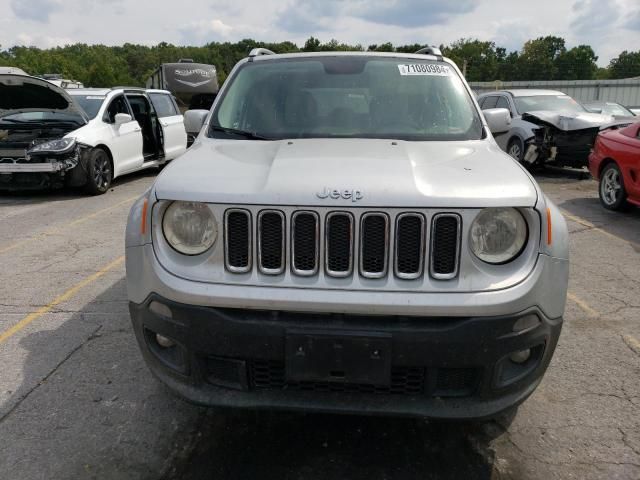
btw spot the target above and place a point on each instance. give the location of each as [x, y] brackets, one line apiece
[22, 93]
[373, 172]
[568, 121]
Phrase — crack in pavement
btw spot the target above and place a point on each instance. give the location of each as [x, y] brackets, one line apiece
[533, 456]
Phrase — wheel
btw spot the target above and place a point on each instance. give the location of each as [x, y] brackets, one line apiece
[99, 172]
[612, 193]
[516, 149]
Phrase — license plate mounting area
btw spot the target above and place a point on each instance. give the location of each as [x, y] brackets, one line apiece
[351, 358]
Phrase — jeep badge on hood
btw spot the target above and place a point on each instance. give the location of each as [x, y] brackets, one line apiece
[354, 195]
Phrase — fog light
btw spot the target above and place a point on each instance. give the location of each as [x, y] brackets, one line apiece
[521, 356]
[164, 342]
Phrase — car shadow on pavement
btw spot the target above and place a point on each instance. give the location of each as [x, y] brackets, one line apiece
[88, 407]
[276, 445]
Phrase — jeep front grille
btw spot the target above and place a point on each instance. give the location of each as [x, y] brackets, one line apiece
[339, 244]
[305, 243]
[237, 240]
[271, 242]
[409, 259]
[374, 245]
[342, 244]
[445, 245]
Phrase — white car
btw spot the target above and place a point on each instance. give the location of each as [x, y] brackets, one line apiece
[84, 137]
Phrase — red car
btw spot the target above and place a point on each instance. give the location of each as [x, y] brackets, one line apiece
[615, 163]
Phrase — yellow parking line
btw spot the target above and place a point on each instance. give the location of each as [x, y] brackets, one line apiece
[53, 230]
[586, 308]
[58, 300]
[590, 225]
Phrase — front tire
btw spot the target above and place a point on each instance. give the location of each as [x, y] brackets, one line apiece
[613, 195]
[99, 172]
[515, 149]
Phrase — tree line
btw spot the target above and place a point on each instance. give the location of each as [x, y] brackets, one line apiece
[543, 58]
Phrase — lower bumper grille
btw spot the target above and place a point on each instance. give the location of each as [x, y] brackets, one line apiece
[460, 382]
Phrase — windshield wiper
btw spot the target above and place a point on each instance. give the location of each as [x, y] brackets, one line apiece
[241, 133]
[14, 120]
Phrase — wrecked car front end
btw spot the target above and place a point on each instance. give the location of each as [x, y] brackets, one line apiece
[37, 149]
[563, 139]
[43, 165]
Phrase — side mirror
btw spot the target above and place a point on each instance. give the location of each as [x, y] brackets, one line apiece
[122, 118]
[194, 120]
[498, 119]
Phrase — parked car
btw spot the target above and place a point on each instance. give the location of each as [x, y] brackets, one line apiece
[615, 163]
[547, 127]
[49, 140]
[337, 239]
[608, 108]
[635, 110]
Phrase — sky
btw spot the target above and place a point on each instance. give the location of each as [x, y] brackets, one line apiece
[609, 26]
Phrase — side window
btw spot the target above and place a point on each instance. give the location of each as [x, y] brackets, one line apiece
[490, 102]
[502, 103]
[163, 104]
[117, 105]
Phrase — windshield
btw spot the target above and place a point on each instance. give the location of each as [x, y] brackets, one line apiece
[609, 109]
[347, 96]
[89, 103]
[555, 103]
[40, 117]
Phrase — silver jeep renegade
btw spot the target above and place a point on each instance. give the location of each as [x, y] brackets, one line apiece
[345, 235]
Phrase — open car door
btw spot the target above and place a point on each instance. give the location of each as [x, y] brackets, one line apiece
[172, 123]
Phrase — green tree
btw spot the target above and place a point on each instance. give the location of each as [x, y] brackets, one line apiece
[625, 65]
[478, 58]
[579, 63]
[383, 47]
[311, 45]
[537, 61]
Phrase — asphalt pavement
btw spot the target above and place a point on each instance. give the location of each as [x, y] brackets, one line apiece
[77, 401]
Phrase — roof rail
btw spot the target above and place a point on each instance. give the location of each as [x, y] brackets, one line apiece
[256, 52]
[430, 51]
[124, 87]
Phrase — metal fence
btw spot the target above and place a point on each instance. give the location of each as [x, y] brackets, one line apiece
[625, 92]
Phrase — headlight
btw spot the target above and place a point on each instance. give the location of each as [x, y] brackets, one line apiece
[62, 145]
[189, 227]
[498, 235]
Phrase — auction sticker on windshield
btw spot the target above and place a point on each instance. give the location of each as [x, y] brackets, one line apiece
[424, 69]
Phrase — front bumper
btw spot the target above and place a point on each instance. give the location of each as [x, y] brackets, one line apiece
[440, 367]
[34, 167]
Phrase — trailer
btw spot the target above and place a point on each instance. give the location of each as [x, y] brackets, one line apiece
[194, 85]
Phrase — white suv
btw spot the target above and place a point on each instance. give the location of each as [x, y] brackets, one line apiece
[84, 137]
